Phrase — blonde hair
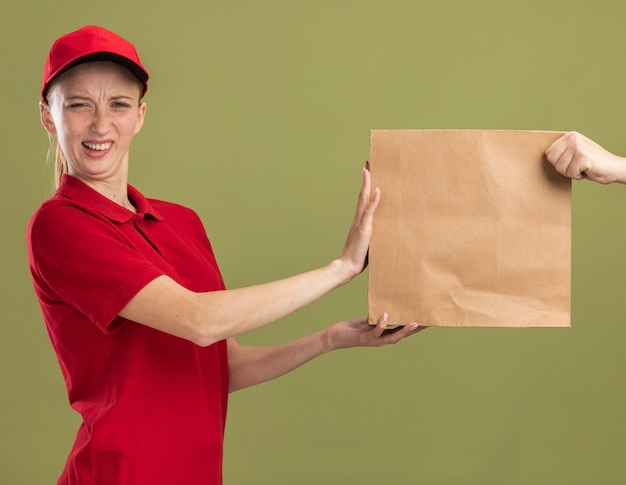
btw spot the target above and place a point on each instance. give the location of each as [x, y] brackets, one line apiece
[55, 154]
[60, 163]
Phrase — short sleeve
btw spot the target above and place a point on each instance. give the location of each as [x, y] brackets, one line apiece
[83, 260]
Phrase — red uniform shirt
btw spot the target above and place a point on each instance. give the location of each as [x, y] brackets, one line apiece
[153, 405]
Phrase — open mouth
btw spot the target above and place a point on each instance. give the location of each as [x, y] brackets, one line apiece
[97, 147]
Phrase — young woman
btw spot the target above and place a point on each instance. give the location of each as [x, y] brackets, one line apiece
[133, 300]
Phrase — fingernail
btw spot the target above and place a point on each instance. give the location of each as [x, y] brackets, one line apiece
[413, 327]
[376, 190]
[385, 316]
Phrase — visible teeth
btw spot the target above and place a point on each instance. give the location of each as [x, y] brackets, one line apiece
[97, 146]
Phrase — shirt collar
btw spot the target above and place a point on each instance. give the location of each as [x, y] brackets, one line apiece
[74, 189]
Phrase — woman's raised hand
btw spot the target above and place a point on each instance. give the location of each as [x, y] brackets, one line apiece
[354, 252]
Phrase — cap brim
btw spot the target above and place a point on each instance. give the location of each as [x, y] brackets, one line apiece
[137, 70]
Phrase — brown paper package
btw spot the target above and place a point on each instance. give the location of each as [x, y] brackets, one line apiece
[473, 229]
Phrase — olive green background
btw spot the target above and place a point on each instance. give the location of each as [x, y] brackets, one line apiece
[258, 117]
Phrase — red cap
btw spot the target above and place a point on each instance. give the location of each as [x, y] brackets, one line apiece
[91, 43]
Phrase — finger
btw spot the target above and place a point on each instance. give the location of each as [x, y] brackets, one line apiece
[370, 208]
[381, 326]
[364, 194]
[573, 163]
[553, 152]
[567, 156]
[414, 328]
[559, 147]
[562, 162]
[399, 333]
[367, 206]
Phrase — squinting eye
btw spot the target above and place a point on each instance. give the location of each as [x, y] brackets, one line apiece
[120, 105]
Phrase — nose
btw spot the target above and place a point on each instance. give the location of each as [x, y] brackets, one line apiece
[100, 121]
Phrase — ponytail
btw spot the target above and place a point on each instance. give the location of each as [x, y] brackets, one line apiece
[54, 150]
[60, 164]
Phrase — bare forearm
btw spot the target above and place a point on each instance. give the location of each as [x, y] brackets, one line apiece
[249, 366]
[252, 365]
[205, 318]
[246, 309]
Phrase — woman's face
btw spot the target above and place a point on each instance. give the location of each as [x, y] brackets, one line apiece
[94, 110]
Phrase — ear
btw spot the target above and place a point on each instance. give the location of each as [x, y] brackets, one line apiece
[46, 118]
[141, 116]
